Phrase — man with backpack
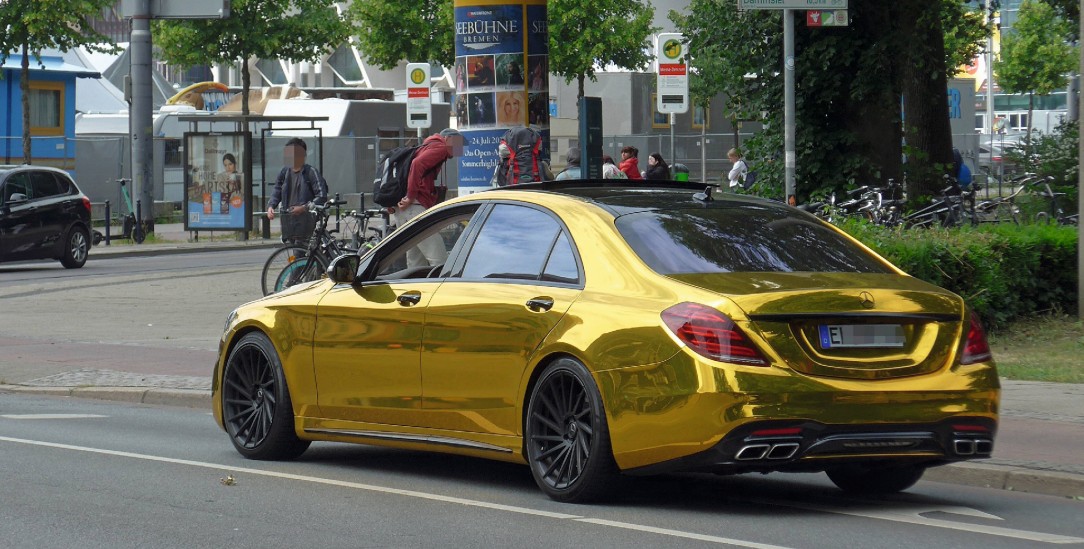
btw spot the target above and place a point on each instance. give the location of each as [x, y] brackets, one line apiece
[421, 192]
[298, 185]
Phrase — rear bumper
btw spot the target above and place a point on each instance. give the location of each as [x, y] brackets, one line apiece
[806, 446]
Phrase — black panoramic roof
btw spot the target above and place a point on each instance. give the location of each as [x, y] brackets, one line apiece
[625, 194]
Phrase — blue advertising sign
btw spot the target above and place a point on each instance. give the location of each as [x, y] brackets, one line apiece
[214, 183]
[498, 84]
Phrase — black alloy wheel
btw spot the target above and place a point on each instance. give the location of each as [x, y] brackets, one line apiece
[256, 407]
[567, 439]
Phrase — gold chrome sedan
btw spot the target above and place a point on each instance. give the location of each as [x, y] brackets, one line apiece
[591, 329]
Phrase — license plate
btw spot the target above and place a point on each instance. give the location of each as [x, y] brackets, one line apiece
[835, 336]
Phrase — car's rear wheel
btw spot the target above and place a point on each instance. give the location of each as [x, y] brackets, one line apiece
[256, 407]
[76, 248]
[567, 438]
[859, 479]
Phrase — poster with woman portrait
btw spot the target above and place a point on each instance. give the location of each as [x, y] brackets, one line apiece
[215, 185]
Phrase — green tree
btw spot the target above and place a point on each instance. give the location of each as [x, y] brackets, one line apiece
[1035, 58]
[30, 26]
[297, 30]
[849, 83]
[423, 31]
[587, 35]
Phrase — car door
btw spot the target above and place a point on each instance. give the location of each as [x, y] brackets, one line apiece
[51, 208]
[499, 301]
[369, 335]
[19, 225]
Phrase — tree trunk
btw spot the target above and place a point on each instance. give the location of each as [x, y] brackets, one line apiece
[580, 85]
[924, 85]
[24, 88]
[246, 83]
[874, 119]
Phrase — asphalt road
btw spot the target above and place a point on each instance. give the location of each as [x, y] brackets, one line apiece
[81, 473]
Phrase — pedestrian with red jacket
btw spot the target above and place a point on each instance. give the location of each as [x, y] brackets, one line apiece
[629, 163]
[422, 192]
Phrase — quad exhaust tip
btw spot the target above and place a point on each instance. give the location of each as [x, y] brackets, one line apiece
[753, 452]
[972, 447]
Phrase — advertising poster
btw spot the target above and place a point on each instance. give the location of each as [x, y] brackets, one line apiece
[214, 183]
[498, 84]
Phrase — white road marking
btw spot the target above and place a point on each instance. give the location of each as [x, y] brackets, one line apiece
[400, 492]
[50, 416]
[913, 515]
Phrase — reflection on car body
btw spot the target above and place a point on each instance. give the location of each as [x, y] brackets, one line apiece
[592, 328]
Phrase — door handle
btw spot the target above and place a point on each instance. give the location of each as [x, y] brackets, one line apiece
[539, 304]
[409, 299]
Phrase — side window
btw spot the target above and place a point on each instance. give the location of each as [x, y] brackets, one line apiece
[562, 266]
[44, 184]
[514, 243]
[424, 254]
[17, 183]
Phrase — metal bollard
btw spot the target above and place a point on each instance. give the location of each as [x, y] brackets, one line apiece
[108, 222]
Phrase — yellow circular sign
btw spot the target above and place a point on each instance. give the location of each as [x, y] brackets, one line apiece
[417, 76]
[672, 48]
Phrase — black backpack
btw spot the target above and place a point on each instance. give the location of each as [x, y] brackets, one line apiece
[524, 162]
[390, 185]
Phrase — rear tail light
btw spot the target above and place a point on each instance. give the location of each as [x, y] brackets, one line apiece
[711, 334]
[976, 349]
[86, 203]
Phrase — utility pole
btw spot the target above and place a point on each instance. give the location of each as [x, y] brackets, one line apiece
[789, 147]
[141, 115]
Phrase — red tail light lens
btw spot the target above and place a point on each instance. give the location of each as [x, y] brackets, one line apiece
[976, 349]
[86, 203]
[711, 334]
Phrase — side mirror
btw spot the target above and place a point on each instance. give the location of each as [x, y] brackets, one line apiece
[344, 269]
[16, 197]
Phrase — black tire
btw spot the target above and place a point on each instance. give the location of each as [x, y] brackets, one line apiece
[76, 248]
[139, 234]
[278, 261]
[256, 407]
[889, 479]
[566, 437]
[310, 269]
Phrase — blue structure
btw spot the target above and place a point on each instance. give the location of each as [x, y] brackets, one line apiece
[52, 100]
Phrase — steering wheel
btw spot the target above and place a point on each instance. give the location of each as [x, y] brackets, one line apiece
[435, 271]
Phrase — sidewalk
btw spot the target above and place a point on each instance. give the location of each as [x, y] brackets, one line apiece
[1039, 447]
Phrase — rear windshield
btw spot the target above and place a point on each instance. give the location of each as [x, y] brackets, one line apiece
[741, 238]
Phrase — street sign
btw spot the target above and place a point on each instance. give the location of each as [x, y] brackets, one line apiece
[672, 82]
[826, 18]
[419, 103]
[791, 4]
[178, 9]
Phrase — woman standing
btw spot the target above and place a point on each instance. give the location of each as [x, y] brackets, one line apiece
[738, 169]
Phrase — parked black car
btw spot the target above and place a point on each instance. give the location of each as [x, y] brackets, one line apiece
[43, 215]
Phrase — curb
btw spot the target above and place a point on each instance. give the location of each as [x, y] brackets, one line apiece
[978, 474]
[170, 249]
[184, 398]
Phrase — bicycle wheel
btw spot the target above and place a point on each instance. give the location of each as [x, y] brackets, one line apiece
[311, 268]
[278, 261]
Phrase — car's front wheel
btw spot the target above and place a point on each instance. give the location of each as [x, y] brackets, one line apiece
[76, 249]
[566, 435]
[256, 407]
[860, 479]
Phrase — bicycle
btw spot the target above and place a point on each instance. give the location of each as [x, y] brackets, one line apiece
[1055, 214]
[295, 263]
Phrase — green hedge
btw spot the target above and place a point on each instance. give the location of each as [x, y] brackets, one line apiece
[1004, 272]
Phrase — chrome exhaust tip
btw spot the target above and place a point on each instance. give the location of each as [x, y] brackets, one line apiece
[984, 446]
[752, 452]
[964, 447]
[785, 450]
